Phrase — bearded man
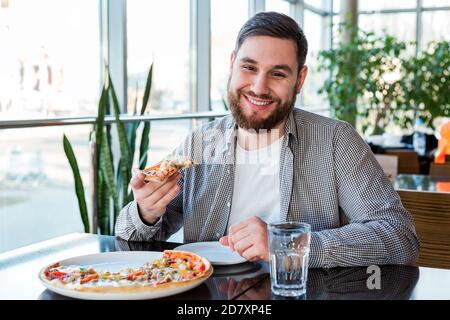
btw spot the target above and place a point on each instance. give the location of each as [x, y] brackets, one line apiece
[269, 161]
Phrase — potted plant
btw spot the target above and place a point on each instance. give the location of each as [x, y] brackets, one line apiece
[364, 79]
[427, 83]
[111, 182]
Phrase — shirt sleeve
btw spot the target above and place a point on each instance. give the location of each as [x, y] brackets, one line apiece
[130, 227]
[380, 230]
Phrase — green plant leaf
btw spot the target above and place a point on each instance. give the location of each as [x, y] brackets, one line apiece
[125, 151]
[103, 215]
[100, 121]
[132, 128]
[145, 141]
[79, 188]
[107, 170]
[148, 86]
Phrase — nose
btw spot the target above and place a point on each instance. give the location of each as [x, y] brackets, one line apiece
[259, 85]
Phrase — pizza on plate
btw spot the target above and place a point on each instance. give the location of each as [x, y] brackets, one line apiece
[174, 269]
[166, 168]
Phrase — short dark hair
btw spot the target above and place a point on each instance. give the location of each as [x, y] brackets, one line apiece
[278, 25]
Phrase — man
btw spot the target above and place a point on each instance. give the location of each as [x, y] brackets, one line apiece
[269, 161]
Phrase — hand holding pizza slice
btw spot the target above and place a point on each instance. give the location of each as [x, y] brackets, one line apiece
[154, 187]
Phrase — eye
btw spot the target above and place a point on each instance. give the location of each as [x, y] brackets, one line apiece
[279, 75]
[248, 67]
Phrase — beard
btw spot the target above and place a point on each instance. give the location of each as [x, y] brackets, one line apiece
[253, 121]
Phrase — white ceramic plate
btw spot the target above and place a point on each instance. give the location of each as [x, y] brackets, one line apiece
[115, 261]
[216, 253]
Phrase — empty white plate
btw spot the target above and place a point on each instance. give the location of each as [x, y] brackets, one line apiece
[213, 251]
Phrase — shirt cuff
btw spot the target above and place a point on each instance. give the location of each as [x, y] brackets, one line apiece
[318, 252]
[141, 227]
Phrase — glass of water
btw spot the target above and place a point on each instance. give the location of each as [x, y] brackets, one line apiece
[289, 256]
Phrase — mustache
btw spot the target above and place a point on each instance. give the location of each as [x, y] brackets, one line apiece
[261, 96]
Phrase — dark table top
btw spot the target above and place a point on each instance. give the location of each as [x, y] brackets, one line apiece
[19, 275]
[419, 182]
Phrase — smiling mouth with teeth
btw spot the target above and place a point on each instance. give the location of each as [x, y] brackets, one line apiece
[259, 103]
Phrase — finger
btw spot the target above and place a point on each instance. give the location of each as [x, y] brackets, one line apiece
[224, 241]
[239, 235]
[157, 203]
[233, 229]
[243, 244]
[159, 207]
[253, 253]
[135, 171]
[230, 242]
[250, 253]
[153, 191]
[238, 226]
[137, 181]
[164, 201]
[162, 191]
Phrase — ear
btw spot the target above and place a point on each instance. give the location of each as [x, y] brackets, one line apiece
[232, 57]
[301, 78]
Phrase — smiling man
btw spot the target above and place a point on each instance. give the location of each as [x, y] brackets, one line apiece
[269, 161]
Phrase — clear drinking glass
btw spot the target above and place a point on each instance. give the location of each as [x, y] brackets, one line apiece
[289, 255]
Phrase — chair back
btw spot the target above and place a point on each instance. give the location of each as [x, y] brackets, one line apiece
[440, 170]
[431, 213]
[408, 160]
[389, 163]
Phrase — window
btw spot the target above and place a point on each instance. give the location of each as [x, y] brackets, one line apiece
[50, 67]
[435, 3]
[400, 25]
[314, 3]
[37, 194]
[227, 17]
[316, 35]
[364, 5]
[278, 6]
[336, 5]
[435, 26]
[158, 32]
[49, 58]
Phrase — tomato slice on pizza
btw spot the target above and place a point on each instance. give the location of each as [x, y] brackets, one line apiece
[173, 269]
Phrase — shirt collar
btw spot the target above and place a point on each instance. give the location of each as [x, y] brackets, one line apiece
[229, 134]
[290, 127]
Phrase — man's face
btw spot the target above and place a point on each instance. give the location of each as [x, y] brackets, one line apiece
[264, 82]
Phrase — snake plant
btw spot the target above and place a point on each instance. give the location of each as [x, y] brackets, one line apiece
[111, 181]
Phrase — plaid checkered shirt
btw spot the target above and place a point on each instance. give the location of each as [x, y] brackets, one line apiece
[329, 178]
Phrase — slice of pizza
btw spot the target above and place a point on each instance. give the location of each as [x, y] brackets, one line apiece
[173, 269]
[166, 168]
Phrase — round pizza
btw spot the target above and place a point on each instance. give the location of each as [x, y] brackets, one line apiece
[174, 269]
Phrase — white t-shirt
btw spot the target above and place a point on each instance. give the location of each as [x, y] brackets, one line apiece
[257, 184]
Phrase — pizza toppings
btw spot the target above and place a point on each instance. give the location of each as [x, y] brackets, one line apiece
[55, 274]
[90, 277]
[166, 168]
